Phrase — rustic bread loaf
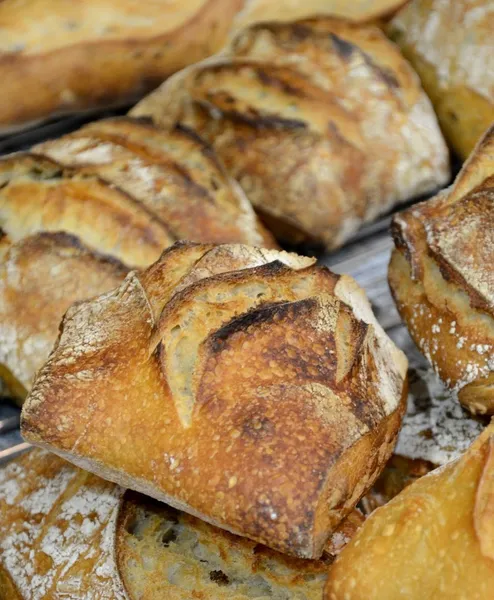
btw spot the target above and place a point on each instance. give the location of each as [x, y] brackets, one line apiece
[434, 541]
[244, 386]
[37, 194]
[449, 43]
[40, 277]
[323, 124]
[442, 278]
[173, 173]
[256, 11]
[67, 534]
[58, 57]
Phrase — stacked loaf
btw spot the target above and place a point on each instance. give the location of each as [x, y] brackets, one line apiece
[442, 277]
[319, 110]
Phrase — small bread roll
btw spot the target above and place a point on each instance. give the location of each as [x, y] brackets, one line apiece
[442, 278]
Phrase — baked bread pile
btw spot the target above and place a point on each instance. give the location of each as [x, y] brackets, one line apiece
[318, 109]
[218, 411]
[442, 277]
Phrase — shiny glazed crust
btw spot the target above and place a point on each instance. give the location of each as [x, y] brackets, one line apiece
[173, 385]
[40, 277]
[442, 278]
[299, 112]
[69, 534]
[433, 541]
[449, 43]
[59, 57]
[172, 172]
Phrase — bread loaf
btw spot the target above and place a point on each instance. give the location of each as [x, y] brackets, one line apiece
[38, 194]
[67, 534]
[442, 277]
[244, 386]
[173, 173]
[434, 541]
[449, 43]
[58, 57]
[40, 277]
[323, 124]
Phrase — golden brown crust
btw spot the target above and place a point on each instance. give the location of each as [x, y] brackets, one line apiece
[289, 108]
[38, 194]
[277, 416]
[449, 43]
[442, 278]
[66, 533]
[40, 277]
[172, 172]
[58, 57]
[429, 541]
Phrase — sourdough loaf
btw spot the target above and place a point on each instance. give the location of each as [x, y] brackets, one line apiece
[40, 277]
[244, 386]
[434, 541]
[323, 124]
[38, 194]
[449, 43]
[65, 533]
[442, 278]
[172, 172]
[58, 57]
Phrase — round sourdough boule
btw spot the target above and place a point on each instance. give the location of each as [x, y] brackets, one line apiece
[442, 277]
[245, 386]
[322, 122]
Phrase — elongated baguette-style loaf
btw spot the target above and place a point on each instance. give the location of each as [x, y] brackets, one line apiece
[58, 57]
[442, 277]
[434, 541]
[245, 386]
[449, 43]
[65, 533]
[172, 172]
[323, 124]
[40, 277]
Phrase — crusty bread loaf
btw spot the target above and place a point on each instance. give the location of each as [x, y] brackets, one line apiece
[173, 173]
[449, 43]
[442, 278]
[244, 386]
[434, 541]
[323, 124]
[58, 57]
[40, 277]
[256, 11]
[67, 534]
[37, 194]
